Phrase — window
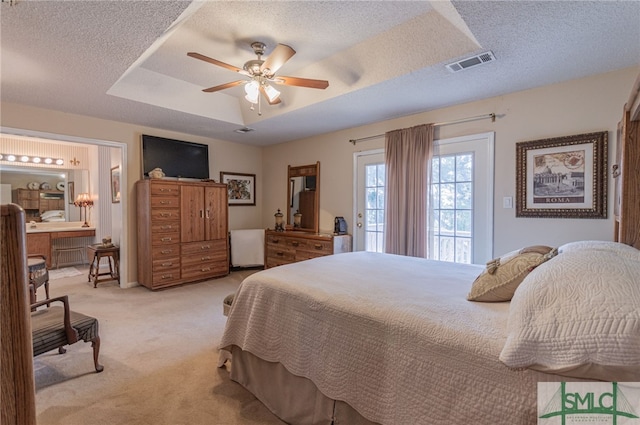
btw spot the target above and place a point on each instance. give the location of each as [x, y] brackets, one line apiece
[374, 207]
[452, 197]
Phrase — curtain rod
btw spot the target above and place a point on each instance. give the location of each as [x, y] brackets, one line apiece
[478, 117]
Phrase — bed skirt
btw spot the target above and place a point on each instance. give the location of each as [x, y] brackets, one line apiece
[294, 399]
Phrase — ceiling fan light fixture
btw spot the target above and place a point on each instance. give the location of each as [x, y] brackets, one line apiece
[272, 93]
[252, 89]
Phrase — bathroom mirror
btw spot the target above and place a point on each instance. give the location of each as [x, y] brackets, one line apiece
[57, 189]
[304, 197]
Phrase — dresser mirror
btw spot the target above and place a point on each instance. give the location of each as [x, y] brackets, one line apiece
[49, 182]
[303, 197]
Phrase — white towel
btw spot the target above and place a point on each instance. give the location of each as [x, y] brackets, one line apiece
[247, 247]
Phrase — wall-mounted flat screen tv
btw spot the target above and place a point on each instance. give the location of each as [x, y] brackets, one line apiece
[176, 158]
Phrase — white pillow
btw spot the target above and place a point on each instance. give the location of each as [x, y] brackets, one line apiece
[51, 214]
[578, 315]
[615, 247]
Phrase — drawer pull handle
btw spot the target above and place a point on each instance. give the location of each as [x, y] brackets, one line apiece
[275, 240]
[166, 227]
[205, 258]
[166, 239]
[162, 189]
[167, 264]
[165, 215]
[280, 254]
[205, 247]
[206, 269]
[167, 251]
[294, 243]
[317, 246]
[167, 276]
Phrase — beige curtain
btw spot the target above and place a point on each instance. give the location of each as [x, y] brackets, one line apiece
[408, 154]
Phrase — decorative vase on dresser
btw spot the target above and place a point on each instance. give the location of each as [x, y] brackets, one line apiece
[291, 246]
[182, 232]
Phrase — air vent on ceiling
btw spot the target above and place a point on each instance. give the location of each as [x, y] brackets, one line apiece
[243, 130]
[463, 64]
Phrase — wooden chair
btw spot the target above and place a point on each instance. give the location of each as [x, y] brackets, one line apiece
[17, 388]
[57, 326]
[38, 275]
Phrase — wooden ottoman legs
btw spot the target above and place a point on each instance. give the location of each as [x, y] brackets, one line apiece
[95, 344]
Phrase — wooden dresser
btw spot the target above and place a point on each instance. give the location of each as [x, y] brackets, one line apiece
[36, 202]
[291, 247]
[182, 232]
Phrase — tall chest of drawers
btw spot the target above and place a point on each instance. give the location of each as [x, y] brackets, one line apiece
[291, 247]
[182, 232]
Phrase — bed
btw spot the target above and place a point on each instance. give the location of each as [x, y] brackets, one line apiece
[318, 344]
[364, 338]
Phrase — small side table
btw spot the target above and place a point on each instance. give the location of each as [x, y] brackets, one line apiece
[98, 252]
[38, 276]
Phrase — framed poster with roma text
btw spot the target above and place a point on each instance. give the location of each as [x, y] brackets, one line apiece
[563, 177]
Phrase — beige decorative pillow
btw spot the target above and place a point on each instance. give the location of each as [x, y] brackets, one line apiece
[503, 275]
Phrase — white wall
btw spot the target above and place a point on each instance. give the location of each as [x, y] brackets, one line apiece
[581, 106]
[5, 193]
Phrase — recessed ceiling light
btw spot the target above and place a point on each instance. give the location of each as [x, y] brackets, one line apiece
[243, 130]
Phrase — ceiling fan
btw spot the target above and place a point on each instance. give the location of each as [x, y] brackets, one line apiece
[261, 73]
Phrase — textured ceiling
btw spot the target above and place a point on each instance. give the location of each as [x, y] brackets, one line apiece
[126, 60]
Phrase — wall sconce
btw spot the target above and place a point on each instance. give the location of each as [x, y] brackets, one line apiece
[83, 201]
[30, 159]
[297, 219]
[279, 221]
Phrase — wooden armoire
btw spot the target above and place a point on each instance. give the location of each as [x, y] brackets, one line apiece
[182, 232]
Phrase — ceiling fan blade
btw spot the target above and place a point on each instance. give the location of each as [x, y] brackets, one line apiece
[217, 62]
[301, 82]
[274, 102]
[223, 86]
[280, 55]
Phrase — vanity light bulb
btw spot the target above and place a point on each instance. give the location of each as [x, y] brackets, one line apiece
[59, 162]
[48, 160]
[36, 159]
[11, 158]
[24, 158]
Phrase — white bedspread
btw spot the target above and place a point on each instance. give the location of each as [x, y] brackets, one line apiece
[392, 336]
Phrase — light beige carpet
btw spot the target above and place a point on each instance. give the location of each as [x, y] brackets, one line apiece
[159, 351]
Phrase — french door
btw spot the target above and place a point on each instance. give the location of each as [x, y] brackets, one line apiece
[369, 201]
[461, 193]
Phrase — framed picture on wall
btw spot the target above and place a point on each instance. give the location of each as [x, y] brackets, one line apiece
[115, 184]
[562, 177]
[241, 188]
